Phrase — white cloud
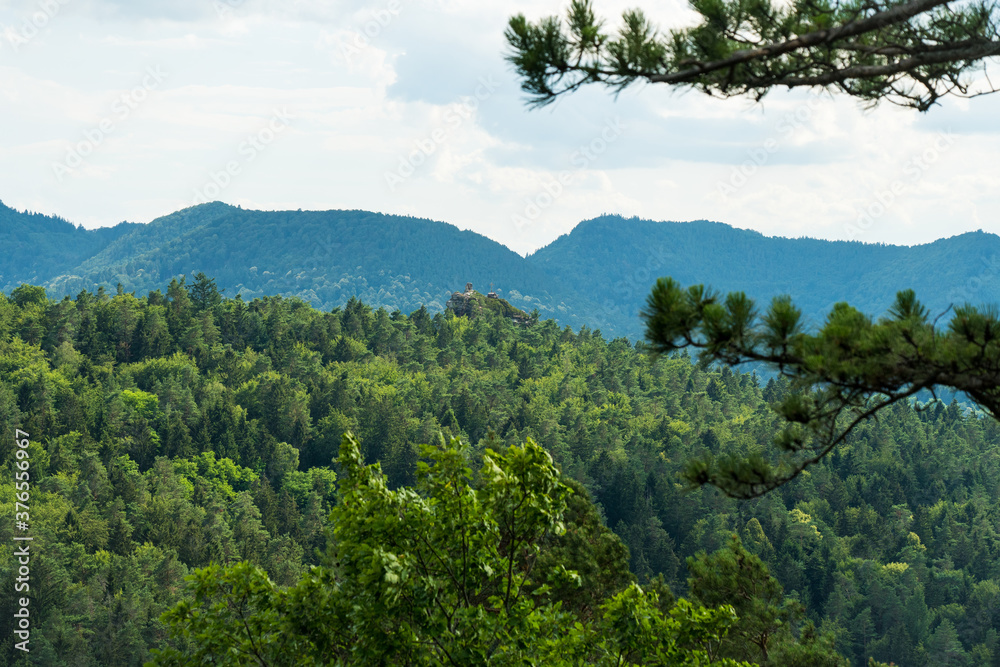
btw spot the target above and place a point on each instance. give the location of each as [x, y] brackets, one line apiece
[369, 83]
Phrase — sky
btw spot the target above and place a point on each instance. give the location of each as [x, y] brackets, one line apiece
[115, 110]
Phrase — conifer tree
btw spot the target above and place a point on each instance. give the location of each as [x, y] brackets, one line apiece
[909, 52]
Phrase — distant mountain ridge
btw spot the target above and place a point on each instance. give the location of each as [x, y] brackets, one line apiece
[816, 273]
[597, 275]
[323, 257]
[37, 247]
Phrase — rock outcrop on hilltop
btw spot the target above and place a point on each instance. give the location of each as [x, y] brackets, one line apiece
[470, 303]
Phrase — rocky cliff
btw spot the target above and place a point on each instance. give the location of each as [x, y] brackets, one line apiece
[471, 303]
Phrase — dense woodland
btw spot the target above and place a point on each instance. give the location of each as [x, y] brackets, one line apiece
[180, 429]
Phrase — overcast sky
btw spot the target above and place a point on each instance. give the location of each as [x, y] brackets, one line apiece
[118, 110]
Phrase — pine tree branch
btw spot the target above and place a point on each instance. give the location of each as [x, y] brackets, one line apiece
[896, 14]
[841, 375]
[910, 53]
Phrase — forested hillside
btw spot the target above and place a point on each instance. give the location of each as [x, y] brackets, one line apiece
[175, 430]
[322, 257]
[38, 247]
[618, 259]
[598, 275]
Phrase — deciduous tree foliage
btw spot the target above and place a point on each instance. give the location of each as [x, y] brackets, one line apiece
[443, 573]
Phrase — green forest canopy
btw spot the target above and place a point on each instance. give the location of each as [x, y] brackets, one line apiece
[175, 430]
